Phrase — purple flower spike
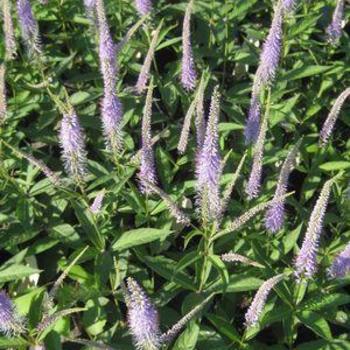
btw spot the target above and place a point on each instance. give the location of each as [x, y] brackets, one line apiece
[188, 71]
[259, 301]
[251, 130]
[334, 30]
[3, 103]
[72, 140]
[254, 182]
[209, 165]
[107, 50]
[144, 75]
[288, 5]
[10, 42]
[341, 264]
[143, 318]
[275, 214]
[90, 6]
[10, 322]
[147, 175]
[112, 115]
[96, 206]
[29, 27]
[143, 7]
[271, 50]
[328, 125]
[275, 217]
[305, 262]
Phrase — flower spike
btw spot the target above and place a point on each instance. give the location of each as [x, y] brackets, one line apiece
[341, 264]
[72, 140]
[10, 41]
[147, 172]
[10, 321]
[143, 7]
[3, 102]
[254, 183]
[29, 27]
[305, 262]
[144, 75]
[328, 125]
[253, 314]
[143, 318]
[274, 217]
[188, 70]
[209, 165]
[334, 30]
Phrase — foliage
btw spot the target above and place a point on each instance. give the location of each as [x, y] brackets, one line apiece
[45, 226]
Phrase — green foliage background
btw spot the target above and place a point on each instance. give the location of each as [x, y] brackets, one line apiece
[42, 228]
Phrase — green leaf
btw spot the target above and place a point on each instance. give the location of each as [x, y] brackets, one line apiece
[188, 338]
[7, 343]
[237, 283]
[305, 71]
[225, 328]
[139, 236]
[336, 165]
[316, 323]
[319, 302]
[167, 269]
[221, 267]
[79, 97]
[16, 272]
[88, 223]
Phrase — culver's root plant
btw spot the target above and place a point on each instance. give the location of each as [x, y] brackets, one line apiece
[174, 174]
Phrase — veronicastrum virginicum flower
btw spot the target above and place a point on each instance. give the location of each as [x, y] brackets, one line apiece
[147, 172]
[200, 127]
[9, 34]
[143, 318]
[274, 217]
[143, 7]
[334, 30]
[188, 70]
[306, 260]
[341, 264]
[29, 27]
[209, 165]
[10, 321]
[144, 75]
[3, 102]
[72, 141]
[328, 125]
[259, 301]
[254, 183]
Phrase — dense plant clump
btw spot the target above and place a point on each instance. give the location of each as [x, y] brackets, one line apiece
[174, 174]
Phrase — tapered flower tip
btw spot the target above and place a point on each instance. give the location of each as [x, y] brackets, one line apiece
[112, 115]
[188, 70]
[341, 264]
[89, 3]
[334, 30]
[288, 5]
[143, 7]
[10, 322]
[97, 203]
[271, 51]
[251, 130]
[332, 117]
[275, 217]
[29, 26]
[259, 301]
[209, 166]
[72, 140]
[306, 260]
[143, 318]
